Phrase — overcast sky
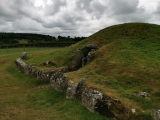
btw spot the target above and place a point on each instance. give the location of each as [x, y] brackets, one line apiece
[73, 17]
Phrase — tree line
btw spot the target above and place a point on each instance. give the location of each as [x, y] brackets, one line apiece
[28, 38]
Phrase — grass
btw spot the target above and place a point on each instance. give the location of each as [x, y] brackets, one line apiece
[126, 67]
[23, 97]
[127, 61]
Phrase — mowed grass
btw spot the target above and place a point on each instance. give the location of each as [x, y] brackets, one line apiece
[23, 97]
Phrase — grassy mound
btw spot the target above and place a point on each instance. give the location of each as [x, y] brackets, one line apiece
[127, 61]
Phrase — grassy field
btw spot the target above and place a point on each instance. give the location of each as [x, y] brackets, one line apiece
[128, 61]
[25, 98]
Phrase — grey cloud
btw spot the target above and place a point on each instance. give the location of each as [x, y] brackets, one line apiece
[84, 4]
[71, 17]
[156, 14]
[7, 13]
[55, 24]
[128, 11]
[11, 10]
[123, 6]
[98, 9]
[65, 20]
[132, 18]
[26, 24]
[158, 8]
[92, 7]
[55, 7]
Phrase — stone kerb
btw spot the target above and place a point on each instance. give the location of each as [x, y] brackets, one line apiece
[20, 64]
[59, 81]
[30, 70]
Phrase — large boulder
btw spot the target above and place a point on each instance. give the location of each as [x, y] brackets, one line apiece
[71, 90]
[76, 61]
[97, 102]
[74, 90]
[80, 88]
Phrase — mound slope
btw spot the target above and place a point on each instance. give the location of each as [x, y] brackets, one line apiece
[127, 62]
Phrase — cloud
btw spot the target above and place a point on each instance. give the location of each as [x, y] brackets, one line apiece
[158, 8]
[73, 17]
[156, 14]
[26, 24]
[55, 6]
[121, 7]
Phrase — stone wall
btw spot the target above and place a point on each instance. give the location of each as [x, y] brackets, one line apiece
[92, 99]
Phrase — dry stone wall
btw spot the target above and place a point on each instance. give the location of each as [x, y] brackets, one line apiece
[92, 99]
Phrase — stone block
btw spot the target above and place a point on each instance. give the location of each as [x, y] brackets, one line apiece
[59, 81]
[71, 90]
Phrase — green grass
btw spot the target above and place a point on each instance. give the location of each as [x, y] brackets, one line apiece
[127, 61]
[23, 97]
